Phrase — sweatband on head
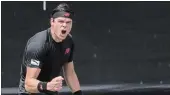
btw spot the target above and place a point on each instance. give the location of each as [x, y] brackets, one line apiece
[62, 14]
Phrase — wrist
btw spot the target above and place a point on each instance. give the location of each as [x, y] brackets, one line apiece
[79, 92]
[42, 86]
[47, 88]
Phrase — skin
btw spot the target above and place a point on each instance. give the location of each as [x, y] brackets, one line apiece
[59, 24]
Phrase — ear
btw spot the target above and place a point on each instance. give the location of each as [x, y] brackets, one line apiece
[51, 21]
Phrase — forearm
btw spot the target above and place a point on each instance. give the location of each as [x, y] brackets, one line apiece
[31, 85]
[72, 81]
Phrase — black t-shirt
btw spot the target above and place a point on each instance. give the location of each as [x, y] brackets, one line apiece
[43, 52]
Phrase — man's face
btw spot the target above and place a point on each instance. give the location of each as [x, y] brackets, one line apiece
[61, 27]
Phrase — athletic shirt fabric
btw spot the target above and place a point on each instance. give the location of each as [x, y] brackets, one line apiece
[43, 52]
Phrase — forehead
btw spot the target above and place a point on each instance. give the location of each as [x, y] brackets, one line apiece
[63, 19]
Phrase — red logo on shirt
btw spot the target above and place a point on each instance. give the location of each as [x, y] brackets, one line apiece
[67, 50]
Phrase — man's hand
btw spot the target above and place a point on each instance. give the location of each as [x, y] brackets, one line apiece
[55, 84]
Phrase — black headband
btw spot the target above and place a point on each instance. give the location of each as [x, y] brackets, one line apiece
[62, 14]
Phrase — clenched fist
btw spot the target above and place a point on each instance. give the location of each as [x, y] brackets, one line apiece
[55, 84]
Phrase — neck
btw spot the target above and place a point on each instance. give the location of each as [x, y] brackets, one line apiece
[55, 38]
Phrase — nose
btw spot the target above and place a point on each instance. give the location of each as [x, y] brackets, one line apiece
[64, 24]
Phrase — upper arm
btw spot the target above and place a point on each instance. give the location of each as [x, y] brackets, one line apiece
[34, 56]
[71, 53]
[68, 68]
[32, 72]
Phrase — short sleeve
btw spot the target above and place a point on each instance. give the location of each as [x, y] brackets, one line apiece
[34, 55]
[71, 53]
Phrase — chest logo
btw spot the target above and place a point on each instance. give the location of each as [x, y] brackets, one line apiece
[67, 50]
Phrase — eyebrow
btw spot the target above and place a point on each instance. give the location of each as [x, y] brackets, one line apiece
[68, 21]
[63, 20]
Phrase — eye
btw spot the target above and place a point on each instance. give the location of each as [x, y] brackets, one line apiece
[68, 22]
[60, 21]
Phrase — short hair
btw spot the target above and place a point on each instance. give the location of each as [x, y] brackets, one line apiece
[63, 7]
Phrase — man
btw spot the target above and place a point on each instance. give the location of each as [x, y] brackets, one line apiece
[46, 53]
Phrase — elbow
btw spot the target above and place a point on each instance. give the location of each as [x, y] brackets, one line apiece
[27, 87]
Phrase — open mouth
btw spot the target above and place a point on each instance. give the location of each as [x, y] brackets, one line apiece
[63, 31]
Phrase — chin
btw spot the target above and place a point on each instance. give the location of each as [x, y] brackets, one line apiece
[62, 38]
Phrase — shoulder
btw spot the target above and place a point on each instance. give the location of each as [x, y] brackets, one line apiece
[70, 38]
[37, 42]
[71, 41]
[70, 35]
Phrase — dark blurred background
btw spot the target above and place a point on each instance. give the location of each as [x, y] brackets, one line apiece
[116, 42]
